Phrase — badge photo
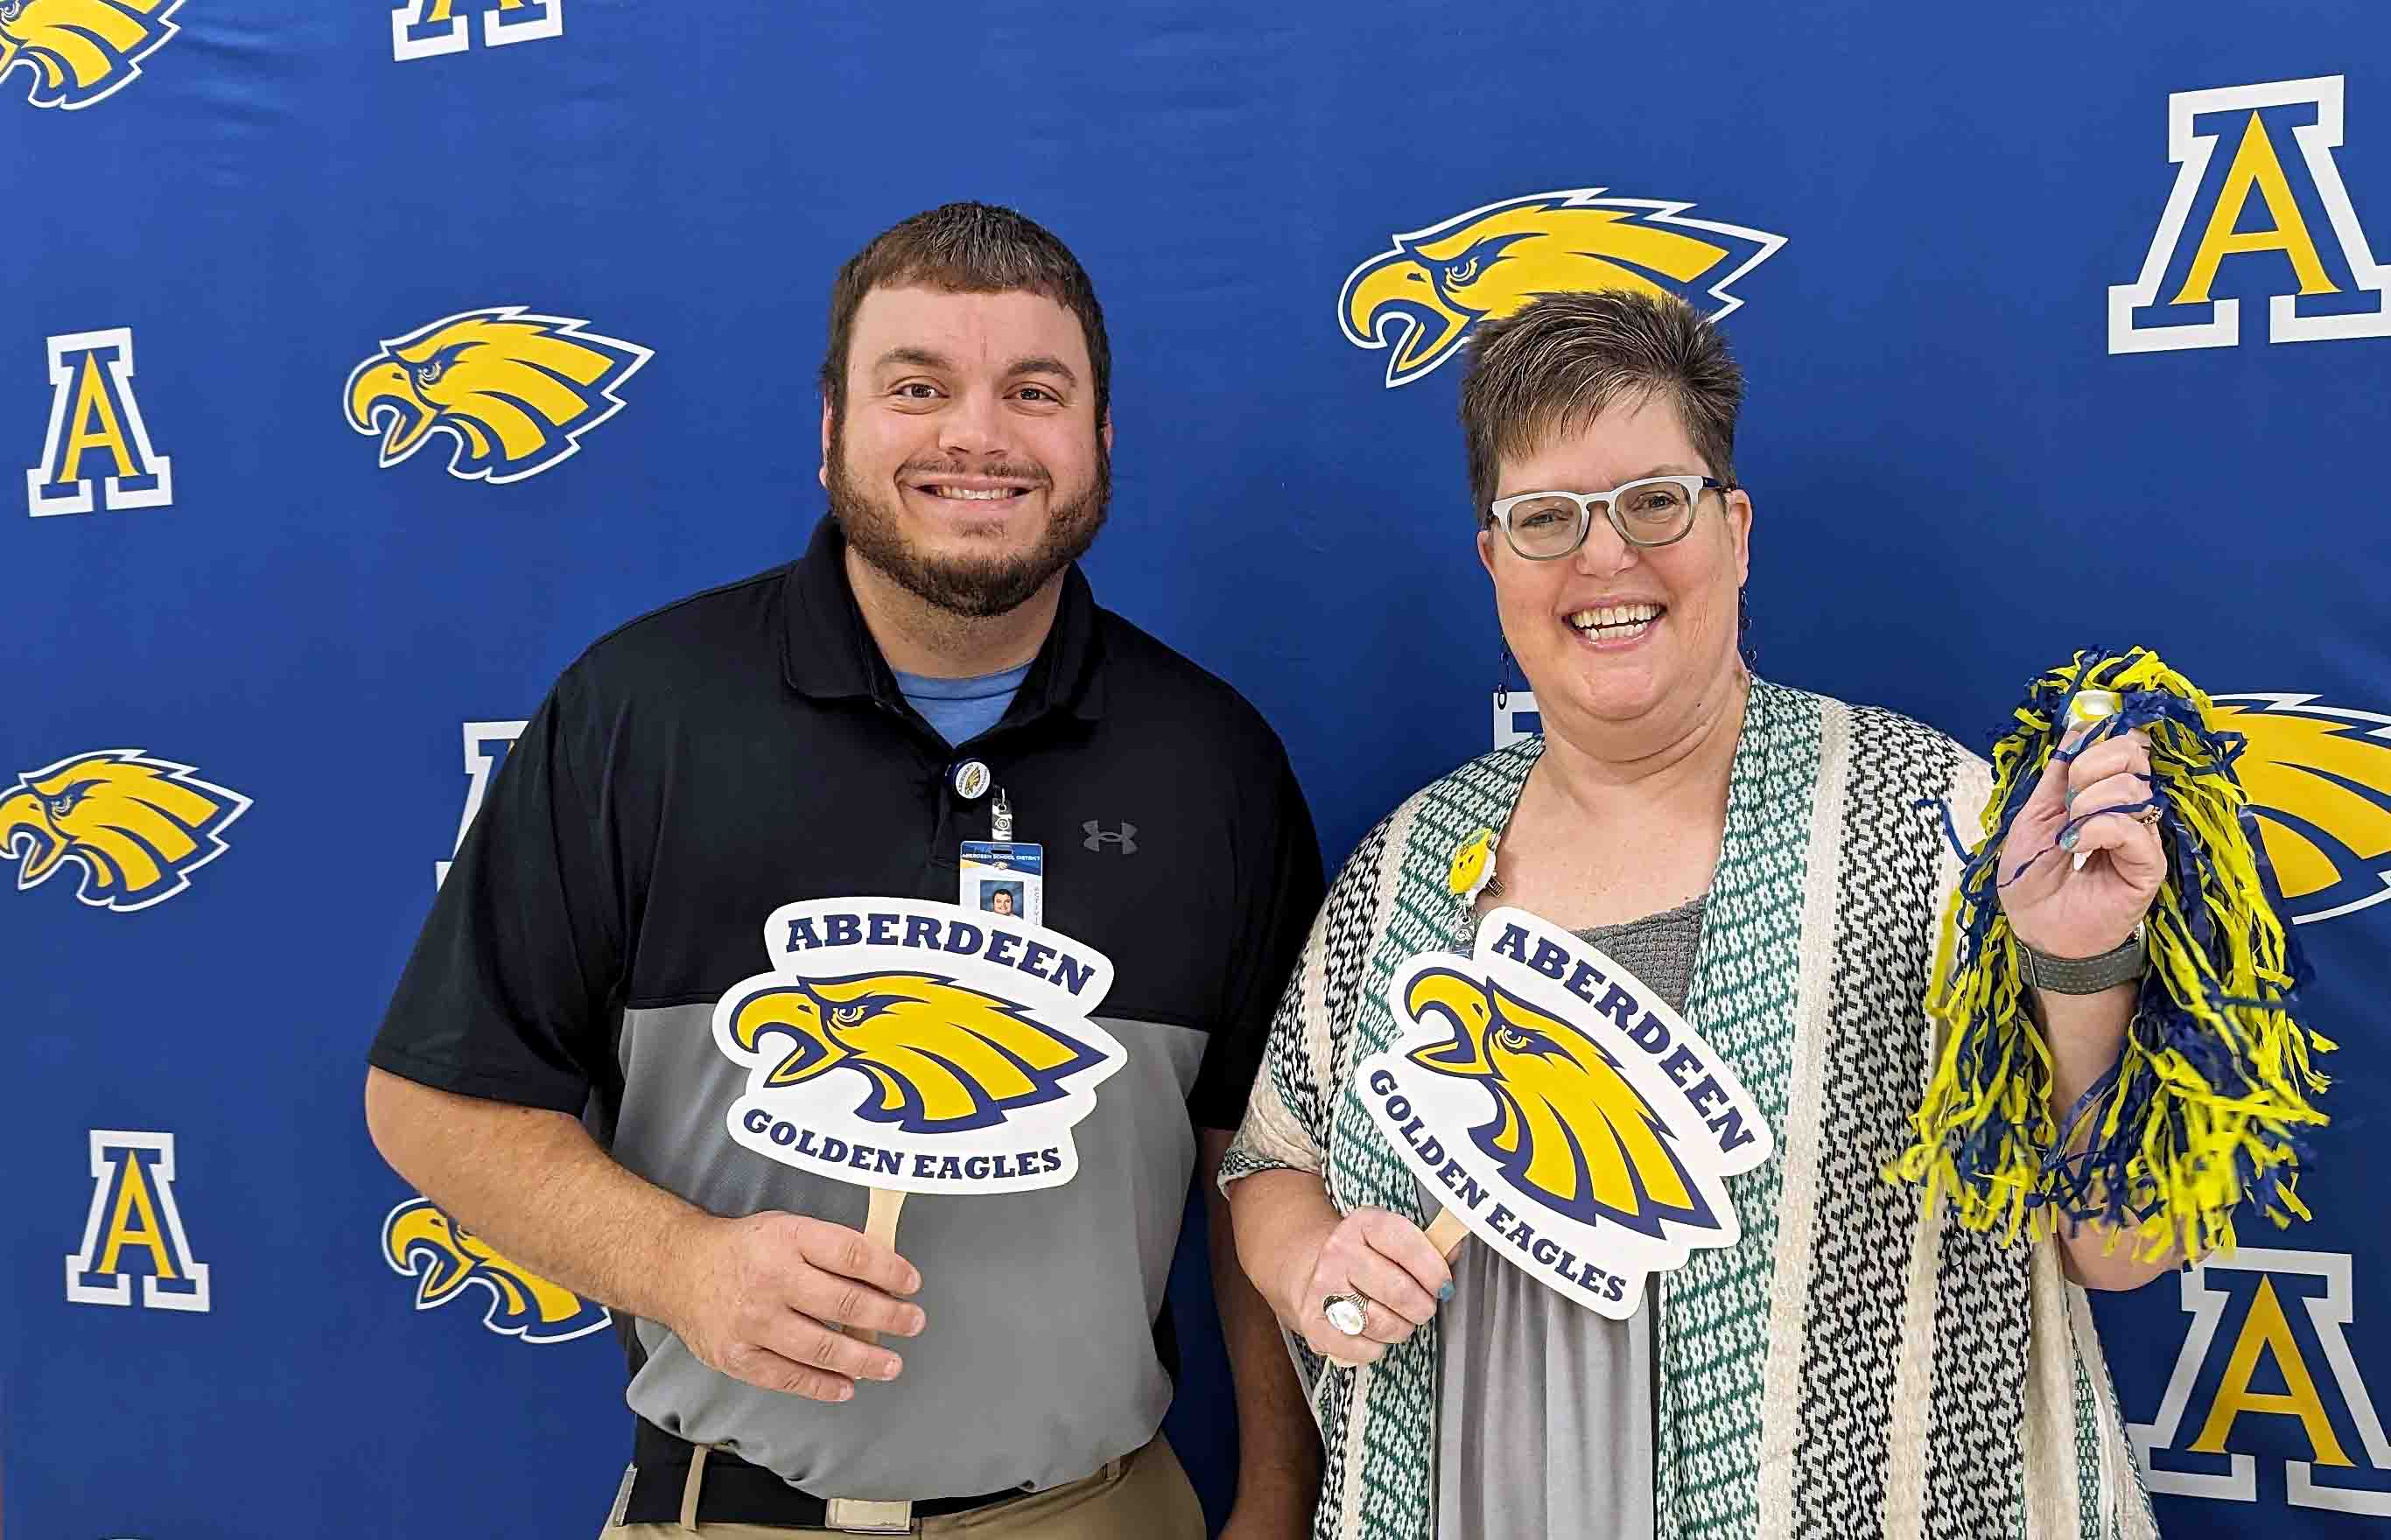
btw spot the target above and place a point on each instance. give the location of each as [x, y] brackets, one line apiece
[1003, 881]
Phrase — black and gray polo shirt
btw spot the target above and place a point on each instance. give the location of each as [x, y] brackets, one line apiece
[749, 747]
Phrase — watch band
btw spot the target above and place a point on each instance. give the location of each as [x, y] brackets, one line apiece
[2120, 965]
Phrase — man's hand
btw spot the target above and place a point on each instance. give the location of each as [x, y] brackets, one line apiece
[761, 1299]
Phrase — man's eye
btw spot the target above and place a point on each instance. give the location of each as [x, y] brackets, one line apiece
[917, 389]
[1040, 392]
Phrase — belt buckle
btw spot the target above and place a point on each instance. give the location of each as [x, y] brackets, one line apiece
[860, 1515]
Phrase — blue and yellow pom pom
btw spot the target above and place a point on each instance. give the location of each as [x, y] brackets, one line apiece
[2205, 1109]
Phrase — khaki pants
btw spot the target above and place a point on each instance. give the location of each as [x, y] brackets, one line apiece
[1150, 1497]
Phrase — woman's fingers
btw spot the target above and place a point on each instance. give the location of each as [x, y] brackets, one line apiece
[1399, 1304]
[2126, 755]
[1388, 1263]
[2125, 791]
[1408, 1247]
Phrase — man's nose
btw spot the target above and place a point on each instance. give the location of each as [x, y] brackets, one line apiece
[973, 425]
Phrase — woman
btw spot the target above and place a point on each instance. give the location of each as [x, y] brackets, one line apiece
[1760, 857]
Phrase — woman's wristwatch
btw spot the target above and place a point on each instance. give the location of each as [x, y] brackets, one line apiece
[2122, 964]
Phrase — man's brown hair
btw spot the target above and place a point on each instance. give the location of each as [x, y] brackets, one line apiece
[1562, 360]
[967, 249]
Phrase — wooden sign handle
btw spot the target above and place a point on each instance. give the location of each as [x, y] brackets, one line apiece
[1446, 1233]
[880, 1225]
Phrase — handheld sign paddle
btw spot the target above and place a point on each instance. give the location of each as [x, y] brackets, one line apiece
[910, 1047]
[1566, 1115]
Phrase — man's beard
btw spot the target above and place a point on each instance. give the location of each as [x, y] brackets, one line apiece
[974, 587]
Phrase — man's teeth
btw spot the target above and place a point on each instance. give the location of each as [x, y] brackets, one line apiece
[977, 494]
[1615, 620]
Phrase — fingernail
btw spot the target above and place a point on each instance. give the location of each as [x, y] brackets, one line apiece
[914, 1323]
[889, 1368]
[842, 1392]
[1444, 1290]
[2067, 839]
[912, 1282]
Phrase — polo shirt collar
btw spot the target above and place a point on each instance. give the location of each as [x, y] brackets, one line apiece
[828, 653]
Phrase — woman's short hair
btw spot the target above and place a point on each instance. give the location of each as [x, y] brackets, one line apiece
[1559, 362]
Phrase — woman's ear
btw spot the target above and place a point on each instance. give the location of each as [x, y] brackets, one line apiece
[1738, 519]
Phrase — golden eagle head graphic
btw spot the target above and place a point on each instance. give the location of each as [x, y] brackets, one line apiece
[138, 826]
[81, 51]
[1569, 1129]
[515, 391]
[2319, 784]
[1422, 297]
[940, 1057]
[420, 1239]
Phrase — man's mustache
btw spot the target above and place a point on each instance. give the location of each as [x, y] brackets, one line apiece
[1027, 471]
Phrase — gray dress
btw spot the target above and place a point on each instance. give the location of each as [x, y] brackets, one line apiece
[1544, 1409]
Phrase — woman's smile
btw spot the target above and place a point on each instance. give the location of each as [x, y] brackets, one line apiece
[1614, 627]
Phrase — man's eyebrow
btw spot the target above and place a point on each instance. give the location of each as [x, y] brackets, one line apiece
[925, 358]
[1043, 364]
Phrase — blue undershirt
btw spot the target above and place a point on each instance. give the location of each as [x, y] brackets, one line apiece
[962, 709]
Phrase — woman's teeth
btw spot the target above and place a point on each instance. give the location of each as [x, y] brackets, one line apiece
[1615, 622]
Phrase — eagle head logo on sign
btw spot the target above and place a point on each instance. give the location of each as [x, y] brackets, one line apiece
[914, 1046]
[1563, 1112]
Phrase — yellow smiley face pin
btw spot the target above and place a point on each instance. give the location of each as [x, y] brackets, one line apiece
[1473, 863]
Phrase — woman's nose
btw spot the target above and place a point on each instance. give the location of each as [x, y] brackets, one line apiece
[1603, 551]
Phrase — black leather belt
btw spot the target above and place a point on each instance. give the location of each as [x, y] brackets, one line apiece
[730, 1490]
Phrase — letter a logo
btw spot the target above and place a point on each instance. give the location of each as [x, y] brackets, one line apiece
[97, 452]
[135, 1228]
[2267, 1379]
[2258, 210]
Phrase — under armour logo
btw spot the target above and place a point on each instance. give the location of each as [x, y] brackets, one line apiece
[1099, 836]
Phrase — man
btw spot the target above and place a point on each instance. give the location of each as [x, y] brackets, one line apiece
[930, 672]
[999, 900]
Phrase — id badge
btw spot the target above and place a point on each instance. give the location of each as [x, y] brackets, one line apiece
[1005, 878]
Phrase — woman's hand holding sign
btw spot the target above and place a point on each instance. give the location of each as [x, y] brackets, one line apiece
[761, 1299]
[1385, 1262]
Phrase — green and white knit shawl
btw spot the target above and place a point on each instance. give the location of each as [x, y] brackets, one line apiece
[1847, 1369]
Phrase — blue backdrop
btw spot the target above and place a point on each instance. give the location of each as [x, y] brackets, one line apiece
[2061, 324]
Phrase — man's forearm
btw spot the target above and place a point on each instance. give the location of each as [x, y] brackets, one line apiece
[1278, 1449]
[534, 1186]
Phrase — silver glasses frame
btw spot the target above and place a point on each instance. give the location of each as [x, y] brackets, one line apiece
[1692, 486]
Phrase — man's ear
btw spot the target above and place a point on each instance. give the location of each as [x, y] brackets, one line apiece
[1108, 432]
[822, 472]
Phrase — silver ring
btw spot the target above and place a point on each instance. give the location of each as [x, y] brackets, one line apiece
[1347, 1313]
